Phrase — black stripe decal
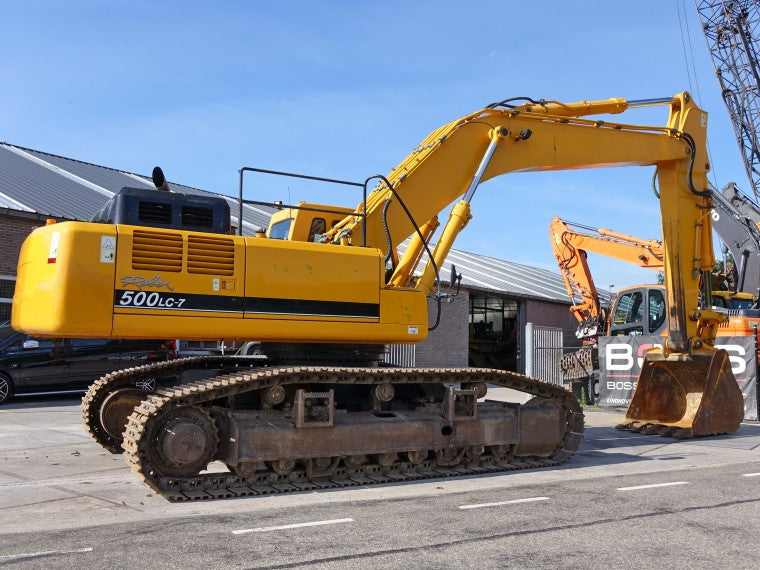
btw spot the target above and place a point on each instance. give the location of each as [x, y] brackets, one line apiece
[172, 301]
[306, 307]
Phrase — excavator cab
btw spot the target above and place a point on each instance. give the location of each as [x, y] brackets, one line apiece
[638, 311]
[305, 222]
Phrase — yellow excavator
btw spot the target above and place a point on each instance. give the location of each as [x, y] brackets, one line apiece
[319, 412]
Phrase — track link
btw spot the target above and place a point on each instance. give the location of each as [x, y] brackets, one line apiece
[137, 439]
[130, 377]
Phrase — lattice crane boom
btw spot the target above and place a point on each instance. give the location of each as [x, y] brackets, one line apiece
[732, 32]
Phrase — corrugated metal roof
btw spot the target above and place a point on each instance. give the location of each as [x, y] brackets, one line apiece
[486, 274]
[56, 186]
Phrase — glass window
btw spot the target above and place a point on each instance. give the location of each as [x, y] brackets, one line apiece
[7, 285]
[629, 308]
[92, 342]
[656, 310]
[318, 226]
[491, 316]
[280, 230]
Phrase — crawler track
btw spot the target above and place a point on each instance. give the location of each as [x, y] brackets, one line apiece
[137, 441]
[129, 377]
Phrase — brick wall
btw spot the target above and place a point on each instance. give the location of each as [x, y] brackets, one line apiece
[13, 231]
[447, 345]
[552, 315]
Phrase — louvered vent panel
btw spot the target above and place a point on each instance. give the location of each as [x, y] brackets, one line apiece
[210, 255]
[154, 212]
[156, 251]
[197, 216]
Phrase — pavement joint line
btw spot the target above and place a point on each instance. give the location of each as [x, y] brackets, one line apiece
[12, 557]
[502, 503]
[290, 526]
[653, 485]
[57, 481]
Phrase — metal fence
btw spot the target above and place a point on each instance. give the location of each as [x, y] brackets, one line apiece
[543, 351]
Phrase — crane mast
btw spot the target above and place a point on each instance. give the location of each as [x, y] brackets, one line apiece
[731, 29]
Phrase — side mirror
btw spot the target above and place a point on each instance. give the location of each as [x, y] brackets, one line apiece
[454, 279]
[31, 343]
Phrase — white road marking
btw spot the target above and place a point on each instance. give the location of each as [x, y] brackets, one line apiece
[653, 486]
[500, 503]
[289, 526]
[9, 557]
[751, 475]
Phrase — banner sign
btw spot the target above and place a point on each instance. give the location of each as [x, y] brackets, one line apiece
[621, 357]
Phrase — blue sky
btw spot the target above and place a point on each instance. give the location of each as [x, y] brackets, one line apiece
[346, 89]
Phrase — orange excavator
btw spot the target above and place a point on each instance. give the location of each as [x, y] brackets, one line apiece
[635, 310]
[570, 247]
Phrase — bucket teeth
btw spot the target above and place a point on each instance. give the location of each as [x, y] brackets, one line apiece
[653, 429]
[669, 431]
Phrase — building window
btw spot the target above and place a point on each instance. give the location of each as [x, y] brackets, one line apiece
[490, 316]
[493, 332]
[7, 286]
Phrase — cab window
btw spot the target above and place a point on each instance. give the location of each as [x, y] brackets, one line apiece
[656, 310]
[281, 229]
[318, 226]
[629, 314]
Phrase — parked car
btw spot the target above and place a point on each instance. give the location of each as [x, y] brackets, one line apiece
[36, 366]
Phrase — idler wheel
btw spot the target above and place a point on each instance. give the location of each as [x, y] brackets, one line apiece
[185, 442]
[116, 408]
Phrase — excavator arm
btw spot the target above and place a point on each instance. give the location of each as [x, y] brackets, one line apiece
[570, 247]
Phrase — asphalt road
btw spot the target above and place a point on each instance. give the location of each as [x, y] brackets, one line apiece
[625, 500]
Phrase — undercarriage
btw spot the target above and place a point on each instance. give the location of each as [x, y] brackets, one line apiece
[290, 428]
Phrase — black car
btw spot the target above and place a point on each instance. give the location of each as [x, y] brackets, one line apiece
[36, 366]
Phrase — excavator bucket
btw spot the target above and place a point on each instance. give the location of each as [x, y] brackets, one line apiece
[686, 398]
